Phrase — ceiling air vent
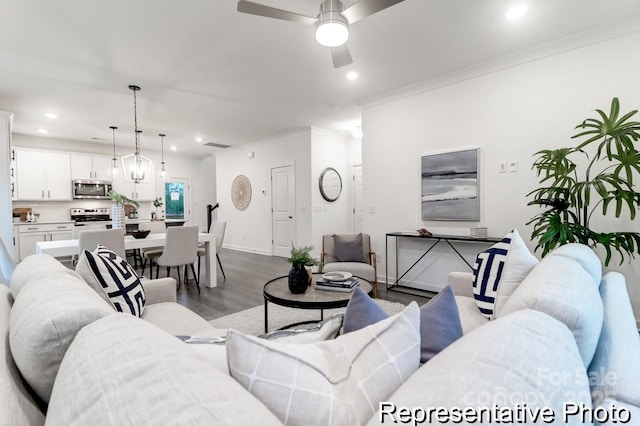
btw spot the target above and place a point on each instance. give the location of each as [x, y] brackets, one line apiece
[216, 145]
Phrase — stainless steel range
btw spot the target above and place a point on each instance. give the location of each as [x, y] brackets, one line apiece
[95, 216]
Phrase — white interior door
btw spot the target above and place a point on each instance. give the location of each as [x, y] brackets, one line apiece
[283, 203]
[358, 207]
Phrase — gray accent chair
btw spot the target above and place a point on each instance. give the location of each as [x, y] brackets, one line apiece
[367, 269]
[180, 249]
[113, 239]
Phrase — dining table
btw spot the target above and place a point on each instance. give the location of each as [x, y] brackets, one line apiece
[64, 248]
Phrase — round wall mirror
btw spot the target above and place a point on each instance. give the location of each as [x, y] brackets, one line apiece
[330, 184]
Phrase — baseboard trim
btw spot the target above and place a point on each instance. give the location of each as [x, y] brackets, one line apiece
[248, 250]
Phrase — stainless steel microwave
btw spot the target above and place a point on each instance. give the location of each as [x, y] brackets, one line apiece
[91, 189]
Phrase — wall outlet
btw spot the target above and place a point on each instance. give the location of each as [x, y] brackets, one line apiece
[502, 167]
[513, 166]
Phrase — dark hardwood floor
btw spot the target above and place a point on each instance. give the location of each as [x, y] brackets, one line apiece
[246, 275]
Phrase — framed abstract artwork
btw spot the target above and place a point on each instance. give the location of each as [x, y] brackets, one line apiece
[449, 186]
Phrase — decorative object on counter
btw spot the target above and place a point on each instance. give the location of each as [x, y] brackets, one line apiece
[299, 275]
[163, 172]
[137, 168]
[156, 203]
[241, 192]
[424, 232]
[117, 210]
[114, 160]
[330, 184]
[22, 212]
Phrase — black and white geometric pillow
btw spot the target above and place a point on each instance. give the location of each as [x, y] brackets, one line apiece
[117, 279]
[487, 273]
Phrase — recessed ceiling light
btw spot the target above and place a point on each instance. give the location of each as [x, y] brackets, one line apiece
[516, 11]
[352, 75]
[199, 139]
[43, 131]
[173, 148]
[50, 115]
[357, 133]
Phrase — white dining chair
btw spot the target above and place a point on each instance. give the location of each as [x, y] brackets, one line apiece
[180, 249]
[219, 229]
[156, 227]
[113, 239]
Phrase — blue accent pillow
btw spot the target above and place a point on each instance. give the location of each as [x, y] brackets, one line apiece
[439, 320]
[498, 271]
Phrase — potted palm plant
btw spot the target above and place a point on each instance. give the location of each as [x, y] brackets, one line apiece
[593, 178]
[299, 276]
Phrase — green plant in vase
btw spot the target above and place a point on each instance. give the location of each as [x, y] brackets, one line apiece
[117, 210]
[299, 276]
[156, 203]
[593, 178]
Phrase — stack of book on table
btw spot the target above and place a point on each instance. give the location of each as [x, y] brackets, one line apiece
[328, 284]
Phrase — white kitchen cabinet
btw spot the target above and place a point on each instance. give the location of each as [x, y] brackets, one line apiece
[12, 175]
[29, 234]
[91, 167]
[43, 175]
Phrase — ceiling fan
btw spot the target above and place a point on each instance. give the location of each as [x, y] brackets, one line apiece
[332, 22]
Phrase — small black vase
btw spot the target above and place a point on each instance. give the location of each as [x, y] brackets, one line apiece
[298, 278]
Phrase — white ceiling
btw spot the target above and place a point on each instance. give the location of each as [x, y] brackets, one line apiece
[207, 70]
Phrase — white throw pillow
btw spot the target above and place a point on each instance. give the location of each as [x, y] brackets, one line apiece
[113, 279]
[498, 271]
[336, 382]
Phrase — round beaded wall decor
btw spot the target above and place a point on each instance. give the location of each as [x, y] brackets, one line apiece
[241, 192]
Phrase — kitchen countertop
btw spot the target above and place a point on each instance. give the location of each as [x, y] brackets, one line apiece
[44, 222]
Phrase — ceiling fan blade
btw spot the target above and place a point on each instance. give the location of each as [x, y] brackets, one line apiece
[341, 56]
[271, 12]
[364, 8]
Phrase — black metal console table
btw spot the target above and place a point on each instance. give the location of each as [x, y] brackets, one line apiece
[435, 240]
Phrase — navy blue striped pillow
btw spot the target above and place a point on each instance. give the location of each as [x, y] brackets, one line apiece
[118, 280]
[487, 273]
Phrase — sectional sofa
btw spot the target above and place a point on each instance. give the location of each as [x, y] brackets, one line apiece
[564, 349]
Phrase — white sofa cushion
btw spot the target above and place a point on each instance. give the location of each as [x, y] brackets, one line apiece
[44, 320]
[517, 368]
[499, 270]
[561, 287]
[334, 382]
[470, 316]
[121, 370]
[38, 267]
[17, 405]
[615, 368]
[175, 319]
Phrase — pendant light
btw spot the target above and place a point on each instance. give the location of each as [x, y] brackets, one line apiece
[114, 160]
[163, 172]
[137, 168]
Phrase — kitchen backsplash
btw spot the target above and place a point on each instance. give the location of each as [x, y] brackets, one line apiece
[52, 211]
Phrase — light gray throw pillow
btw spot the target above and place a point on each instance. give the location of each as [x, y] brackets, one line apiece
[348, 248]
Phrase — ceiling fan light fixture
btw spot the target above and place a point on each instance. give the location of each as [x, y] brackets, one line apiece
[332, 29]
[332, 33]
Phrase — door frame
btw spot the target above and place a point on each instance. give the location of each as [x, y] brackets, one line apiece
[353, 196]
[294, 232]
[187, 195]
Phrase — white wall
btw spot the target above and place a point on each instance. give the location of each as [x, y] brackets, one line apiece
[329, 149]
[201, 174]
[510, 113]
[250, 229]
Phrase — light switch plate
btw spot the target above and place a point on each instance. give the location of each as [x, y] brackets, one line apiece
[513, 166]
[502, 167]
